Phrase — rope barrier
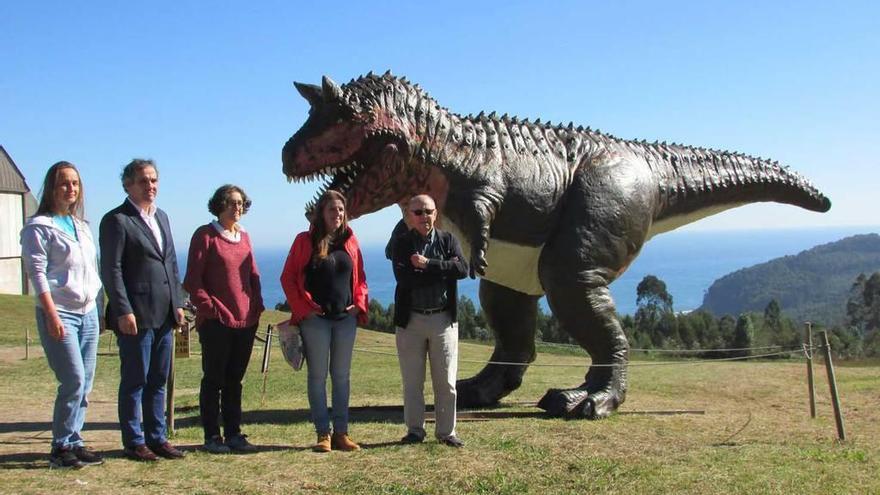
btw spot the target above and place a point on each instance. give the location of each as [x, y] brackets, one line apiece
[674, 351]
[804, 348]
[579, 365]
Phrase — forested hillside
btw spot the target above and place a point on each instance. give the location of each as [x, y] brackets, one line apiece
[812, 285]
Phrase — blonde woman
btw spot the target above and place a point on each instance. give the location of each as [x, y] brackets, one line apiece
[61, 261]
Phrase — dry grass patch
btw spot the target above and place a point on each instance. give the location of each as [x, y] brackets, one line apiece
[754, 436]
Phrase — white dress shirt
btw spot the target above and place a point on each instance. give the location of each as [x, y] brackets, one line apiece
[149, 217]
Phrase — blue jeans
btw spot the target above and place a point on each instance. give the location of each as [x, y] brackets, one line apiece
[328, 344]
[145, 361]
[73, 361]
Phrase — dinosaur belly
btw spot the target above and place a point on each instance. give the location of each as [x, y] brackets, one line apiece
[512, 265]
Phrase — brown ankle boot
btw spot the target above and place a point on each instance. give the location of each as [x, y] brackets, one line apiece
[341, 441]
[323, 444]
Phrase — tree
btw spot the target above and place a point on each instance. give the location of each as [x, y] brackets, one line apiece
[471, 324]
[863, 312]
[651, 292]
[654, 316]
[743, 336]
[379, 318]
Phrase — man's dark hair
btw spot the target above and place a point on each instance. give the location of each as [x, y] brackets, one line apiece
[135, 166]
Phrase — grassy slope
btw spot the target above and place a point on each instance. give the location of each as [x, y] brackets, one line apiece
[778, 450]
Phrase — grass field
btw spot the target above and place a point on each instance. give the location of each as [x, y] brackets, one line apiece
[746, 430]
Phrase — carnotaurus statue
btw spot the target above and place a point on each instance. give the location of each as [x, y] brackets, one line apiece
[539, 208]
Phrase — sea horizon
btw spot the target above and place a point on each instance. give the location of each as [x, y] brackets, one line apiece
[687, 261]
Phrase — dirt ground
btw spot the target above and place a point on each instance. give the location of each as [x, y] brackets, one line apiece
[27, 426]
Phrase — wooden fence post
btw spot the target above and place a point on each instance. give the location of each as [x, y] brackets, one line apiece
[169, 388]
[264, 369]
[808, 338]
[832, 384]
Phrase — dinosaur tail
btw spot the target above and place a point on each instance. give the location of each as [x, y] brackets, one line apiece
[694, 183]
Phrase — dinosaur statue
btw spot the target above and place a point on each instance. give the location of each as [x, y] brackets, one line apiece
[540, 208]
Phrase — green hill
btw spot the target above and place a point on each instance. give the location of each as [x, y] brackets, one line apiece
[812, 285]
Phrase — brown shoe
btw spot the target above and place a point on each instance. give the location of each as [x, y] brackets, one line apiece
[140, 453]
[341, 441]
[323, 444]
[168, 451]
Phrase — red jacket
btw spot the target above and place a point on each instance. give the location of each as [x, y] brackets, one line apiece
[293, 278]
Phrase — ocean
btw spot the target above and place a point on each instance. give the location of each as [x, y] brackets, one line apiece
[687, 261]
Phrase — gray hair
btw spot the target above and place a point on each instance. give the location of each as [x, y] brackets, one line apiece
[135, 166]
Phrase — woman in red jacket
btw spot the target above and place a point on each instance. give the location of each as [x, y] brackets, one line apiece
[224, 285]
[323, 279]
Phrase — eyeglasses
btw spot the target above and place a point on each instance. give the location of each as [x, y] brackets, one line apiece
[235, 203]
[422, 211]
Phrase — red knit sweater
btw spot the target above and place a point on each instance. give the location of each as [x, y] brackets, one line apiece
[222, 279]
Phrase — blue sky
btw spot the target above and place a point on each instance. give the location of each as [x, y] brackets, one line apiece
[205, 89]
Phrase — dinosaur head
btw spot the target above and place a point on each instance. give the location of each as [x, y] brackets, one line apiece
[357, 142]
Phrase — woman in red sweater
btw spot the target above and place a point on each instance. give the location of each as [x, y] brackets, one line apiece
[323, 279]
[224, 285]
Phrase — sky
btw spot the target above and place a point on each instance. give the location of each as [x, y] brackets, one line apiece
[205, 89]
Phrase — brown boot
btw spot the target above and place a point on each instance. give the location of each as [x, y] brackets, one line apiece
[341, 441]
[323, 444]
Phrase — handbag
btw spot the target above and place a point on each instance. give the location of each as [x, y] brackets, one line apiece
[291, 344]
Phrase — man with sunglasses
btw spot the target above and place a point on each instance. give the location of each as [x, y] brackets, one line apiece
[427, 265]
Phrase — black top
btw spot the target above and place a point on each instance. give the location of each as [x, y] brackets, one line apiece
[329, 282]
[446, 265]
[428, 296]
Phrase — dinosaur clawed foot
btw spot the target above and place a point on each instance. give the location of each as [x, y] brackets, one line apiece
[489, 385]
[579, 402]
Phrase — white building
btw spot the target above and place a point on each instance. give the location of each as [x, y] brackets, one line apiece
[16, 204]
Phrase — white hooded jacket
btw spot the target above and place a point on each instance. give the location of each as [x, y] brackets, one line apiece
[57, 263]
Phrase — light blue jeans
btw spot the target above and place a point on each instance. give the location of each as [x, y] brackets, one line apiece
[73, 360]
[328, 344]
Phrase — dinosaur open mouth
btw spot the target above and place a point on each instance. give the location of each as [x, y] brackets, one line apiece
[339, 178]
[377, 176]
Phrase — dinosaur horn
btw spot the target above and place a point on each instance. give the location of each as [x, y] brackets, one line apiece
[331, 90]
[310, 92]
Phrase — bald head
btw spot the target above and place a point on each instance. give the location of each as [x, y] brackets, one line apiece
[422, 212]
[420, 201]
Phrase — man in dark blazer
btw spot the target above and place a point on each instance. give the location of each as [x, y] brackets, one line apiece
[139, 271]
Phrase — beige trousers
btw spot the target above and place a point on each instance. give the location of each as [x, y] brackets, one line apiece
[435, 337]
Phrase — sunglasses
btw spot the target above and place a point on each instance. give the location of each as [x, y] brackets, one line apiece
[422, 211]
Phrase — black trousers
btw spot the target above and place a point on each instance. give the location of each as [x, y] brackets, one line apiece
[225, 356]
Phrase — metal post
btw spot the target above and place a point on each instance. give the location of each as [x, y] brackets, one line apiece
[27, 343]
[810, 384]
[169, 388]
[832, 384]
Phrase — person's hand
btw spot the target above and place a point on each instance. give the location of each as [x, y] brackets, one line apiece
[178, 316]
[55, 327]
[418, 261]
[127, 325]
[314, 313]
[352, 310]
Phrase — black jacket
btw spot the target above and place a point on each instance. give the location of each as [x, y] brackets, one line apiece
[450, 269]
[138, 277]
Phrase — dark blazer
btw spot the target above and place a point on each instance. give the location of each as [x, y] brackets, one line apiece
[450, 269]
[138, 277]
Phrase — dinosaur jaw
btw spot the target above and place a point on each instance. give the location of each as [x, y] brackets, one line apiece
[377, 176]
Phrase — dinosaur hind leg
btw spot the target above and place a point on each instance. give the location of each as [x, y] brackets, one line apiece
[586, 311]
[512, 316]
